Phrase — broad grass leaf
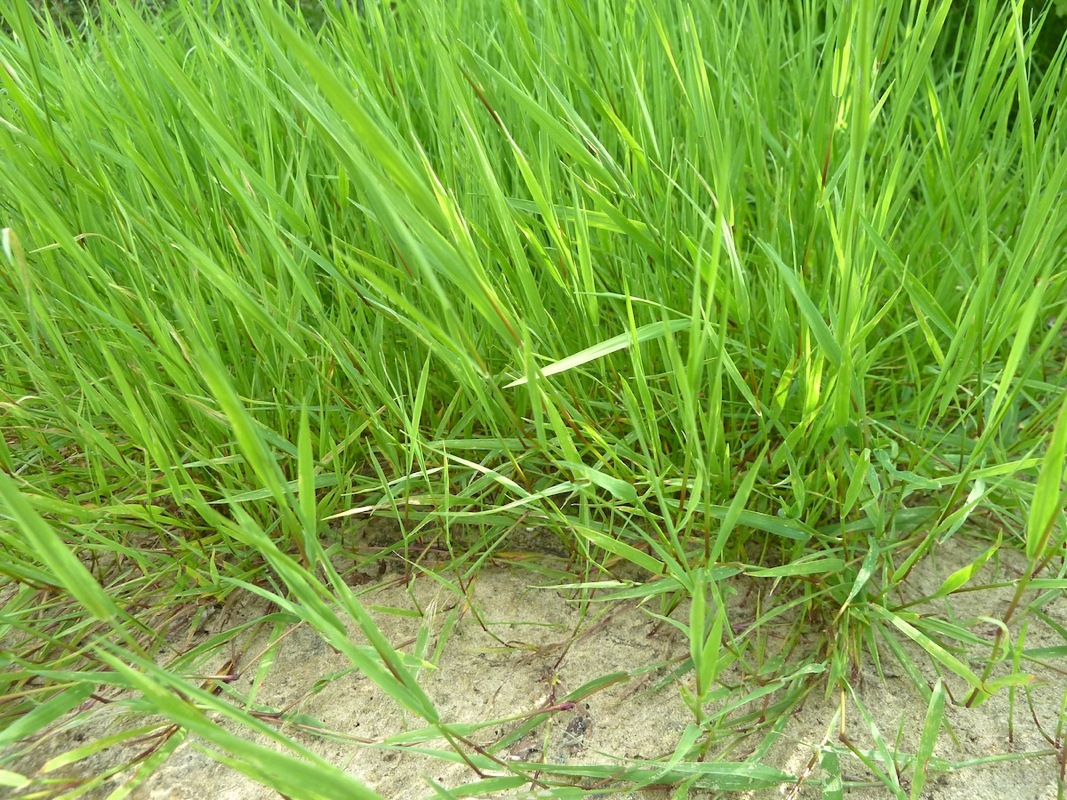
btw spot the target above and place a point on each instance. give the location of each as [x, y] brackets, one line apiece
[964, 574]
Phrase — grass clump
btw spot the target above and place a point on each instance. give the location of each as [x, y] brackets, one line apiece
[701, 291]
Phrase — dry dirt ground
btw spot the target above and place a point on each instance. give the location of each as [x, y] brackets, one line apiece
[515, 648]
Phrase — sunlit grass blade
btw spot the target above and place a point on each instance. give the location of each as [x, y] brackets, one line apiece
[1047, 506]
[622, 341]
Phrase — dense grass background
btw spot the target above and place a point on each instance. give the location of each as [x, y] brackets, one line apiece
[765, 287]
[1046, 42]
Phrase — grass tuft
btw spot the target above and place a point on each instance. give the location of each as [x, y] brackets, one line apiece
[754, 297]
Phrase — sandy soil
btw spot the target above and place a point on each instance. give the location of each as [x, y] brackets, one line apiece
[515, 648]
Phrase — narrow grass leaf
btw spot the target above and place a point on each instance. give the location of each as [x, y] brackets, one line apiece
[616, 487]
[1048, 499]
[736, 509]
[67, 571]
[46, 713]
[814, 566]
[722, 776]
[306, 499]
[935, 715]
[932, 648]
[97, 745]
[620, 548]
[308, 776]
[13, 780]
[865, 573]
[643, 334]
[814, 320]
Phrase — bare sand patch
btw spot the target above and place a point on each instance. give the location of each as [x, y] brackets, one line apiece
[511, 648]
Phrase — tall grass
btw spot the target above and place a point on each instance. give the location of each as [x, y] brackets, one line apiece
[774, 288]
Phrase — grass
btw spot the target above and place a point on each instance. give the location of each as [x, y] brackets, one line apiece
[708, 292]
